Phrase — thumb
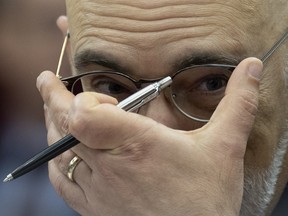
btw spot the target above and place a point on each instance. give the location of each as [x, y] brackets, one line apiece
[234, 117]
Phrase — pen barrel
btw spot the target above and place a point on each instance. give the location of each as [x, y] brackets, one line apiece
[45, 155]
[129, 104]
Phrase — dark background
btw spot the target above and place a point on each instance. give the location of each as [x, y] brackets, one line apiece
[30, 42]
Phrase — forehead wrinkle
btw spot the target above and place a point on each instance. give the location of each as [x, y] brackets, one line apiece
[131, 19]
[132, 26]
[146, 4]
[151, 14]
[134, 41]
[138, 22]
[124, 23]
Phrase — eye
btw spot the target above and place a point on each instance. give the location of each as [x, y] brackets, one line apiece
[109, 86]
[112, 84]
[212, 83]
[197, 91]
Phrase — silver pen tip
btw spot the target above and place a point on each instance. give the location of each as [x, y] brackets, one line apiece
[165, 82]
[8, 178]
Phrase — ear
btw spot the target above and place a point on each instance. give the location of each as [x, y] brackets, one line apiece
[62, 23]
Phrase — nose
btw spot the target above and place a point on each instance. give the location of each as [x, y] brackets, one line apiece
[162, 110]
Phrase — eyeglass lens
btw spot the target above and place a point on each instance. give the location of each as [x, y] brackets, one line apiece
[195, 91]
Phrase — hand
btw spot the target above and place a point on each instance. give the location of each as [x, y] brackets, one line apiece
[133, 165]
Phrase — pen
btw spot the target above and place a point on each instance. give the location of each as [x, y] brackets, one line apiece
[129, 104]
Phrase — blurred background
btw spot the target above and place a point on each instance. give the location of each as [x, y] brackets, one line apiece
[30, 43]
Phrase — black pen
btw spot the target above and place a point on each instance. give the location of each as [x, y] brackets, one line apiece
[130, 104]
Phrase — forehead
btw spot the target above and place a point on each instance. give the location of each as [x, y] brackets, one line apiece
[164, 28]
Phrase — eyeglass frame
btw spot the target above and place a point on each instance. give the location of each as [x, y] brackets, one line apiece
[69, 81]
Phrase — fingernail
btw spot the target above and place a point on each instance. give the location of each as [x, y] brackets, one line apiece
[255, 69]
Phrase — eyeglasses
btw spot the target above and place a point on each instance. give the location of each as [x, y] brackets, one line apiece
[195, 91]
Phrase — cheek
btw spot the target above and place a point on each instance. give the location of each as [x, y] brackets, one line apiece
[270, 121]
[164, 112]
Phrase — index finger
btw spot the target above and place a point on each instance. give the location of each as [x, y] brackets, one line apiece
[50, 86]
[57, 100]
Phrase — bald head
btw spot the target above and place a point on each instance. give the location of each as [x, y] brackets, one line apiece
[166, 21]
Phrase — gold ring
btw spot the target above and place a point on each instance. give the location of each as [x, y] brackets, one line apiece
[71, 167]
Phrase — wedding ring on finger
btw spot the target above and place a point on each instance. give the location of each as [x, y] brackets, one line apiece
[71, 167]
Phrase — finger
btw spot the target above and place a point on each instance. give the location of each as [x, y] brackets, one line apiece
[81, 112]
[57, 100]
[104, 126]
[234, 116]
[89, 170]
[70, 191]
[53, 134]
[50, 86]
[82, 172]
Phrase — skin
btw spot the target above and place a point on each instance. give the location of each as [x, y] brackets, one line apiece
[201, 170]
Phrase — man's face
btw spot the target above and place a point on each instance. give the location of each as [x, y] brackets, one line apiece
[150, 39]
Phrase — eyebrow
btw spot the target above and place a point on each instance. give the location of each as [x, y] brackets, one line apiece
[91, 57]
[206, 58]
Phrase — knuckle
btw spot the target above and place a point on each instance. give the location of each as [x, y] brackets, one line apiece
[133, 151]
[77, 122]
[52, 135]
[62, 163]
[47, 118]
[64, 122]
[248, 102]
[79, 115]
[58, 183]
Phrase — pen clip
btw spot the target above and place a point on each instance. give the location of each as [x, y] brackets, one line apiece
[144, 100]
[145, 95]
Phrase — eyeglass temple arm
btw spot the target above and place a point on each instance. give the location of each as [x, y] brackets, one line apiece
[275, 46]
[62, 54]
[263, 59]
